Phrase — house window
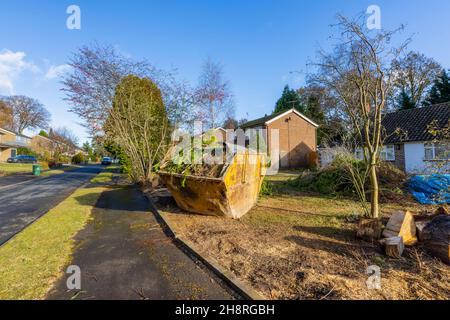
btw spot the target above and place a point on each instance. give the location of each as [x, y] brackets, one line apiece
[437, 151]
[22, 140]
[388, 153]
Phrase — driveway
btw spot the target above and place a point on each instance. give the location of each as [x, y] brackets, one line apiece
[124, 254]
[22, 204]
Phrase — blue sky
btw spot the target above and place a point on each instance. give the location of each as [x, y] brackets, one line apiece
[259, 43]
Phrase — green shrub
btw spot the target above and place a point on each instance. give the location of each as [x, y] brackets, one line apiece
[78, 158]
[267, 188]
[63, 159]
[117, 152]
[336, 180]
[331, 180]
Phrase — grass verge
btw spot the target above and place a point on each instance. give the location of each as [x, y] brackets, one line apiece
[12, 168]
[7, 169]
[53, 172]
[106, 176]
[33, 260]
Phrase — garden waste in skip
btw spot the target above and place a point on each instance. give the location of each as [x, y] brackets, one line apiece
[230, 189]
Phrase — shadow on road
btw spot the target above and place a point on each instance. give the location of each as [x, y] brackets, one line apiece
[124, 200]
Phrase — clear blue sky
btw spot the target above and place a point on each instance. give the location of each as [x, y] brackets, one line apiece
[258, 42]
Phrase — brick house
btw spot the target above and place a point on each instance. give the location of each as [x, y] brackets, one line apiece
[42, 146]
[297, 140]
[9, 143]
[408, 144]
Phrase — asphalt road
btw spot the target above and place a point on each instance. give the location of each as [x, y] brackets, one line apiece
[16, 178]
[22, 204]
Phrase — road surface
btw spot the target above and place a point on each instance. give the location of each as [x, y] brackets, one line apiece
[124, 254]
[22, 204]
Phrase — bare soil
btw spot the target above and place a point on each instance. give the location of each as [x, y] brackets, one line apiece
[300, 246]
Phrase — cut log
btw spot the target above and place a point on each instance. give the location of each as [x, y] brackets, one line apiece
[369, 229]
[401, 224]
[436, 238]
[394, 247]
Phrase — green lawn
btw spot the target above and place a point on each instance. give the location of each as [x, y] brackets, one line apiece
[285, 175]
[13, 168]
[107, 175]
[34, 259]
[57, 171]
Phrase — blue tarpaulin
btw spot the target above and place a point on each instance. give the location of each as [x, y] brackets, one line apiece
[432, 189]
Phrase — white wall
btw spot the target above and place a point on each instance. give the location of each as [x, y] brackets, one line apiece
[414, 158]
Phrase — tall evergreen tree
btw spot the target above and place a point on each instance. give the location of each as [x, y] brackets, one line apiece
[440, 92]
[405, 102]
[314, 110]
[43, 133]
[289, 99]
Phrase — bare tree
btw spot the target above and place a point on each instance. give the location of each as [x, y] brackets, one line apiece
[441, 140]
[28, 113]
[96, 72]
[6, 116]
[359, 75]
[64, 141]
[414, 75]
[179, 101]
[214, 97]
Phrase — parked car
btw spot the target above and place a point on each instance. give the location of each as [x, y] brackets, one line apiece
[106, 161]
[22, 159]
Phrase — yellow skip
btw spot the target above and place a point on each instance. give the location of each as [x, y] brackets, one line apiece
[232, 195]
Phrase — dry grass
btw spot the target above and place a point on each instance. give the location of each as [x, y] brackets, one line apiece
[303, 247]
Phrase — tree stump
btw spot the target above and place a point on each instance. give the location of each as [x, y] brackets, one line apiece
[369, 229]
[394, 247]
[420, 226]
[436, 238]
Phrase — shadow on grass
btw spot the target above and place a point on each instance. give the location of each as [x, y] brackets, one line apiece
[323, 245]
[338, 233]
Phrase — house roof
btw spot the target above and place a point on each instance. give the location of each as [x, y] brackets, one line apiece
[267, 119]
[42, 137]
[5, 130]
[14, 133]
[414, 123]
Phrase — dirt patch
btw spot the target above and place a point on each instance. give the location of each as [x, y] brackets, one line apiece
[304, 247]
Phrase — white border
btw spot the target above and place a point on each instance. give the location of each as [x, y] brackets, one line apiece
[297, 113]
